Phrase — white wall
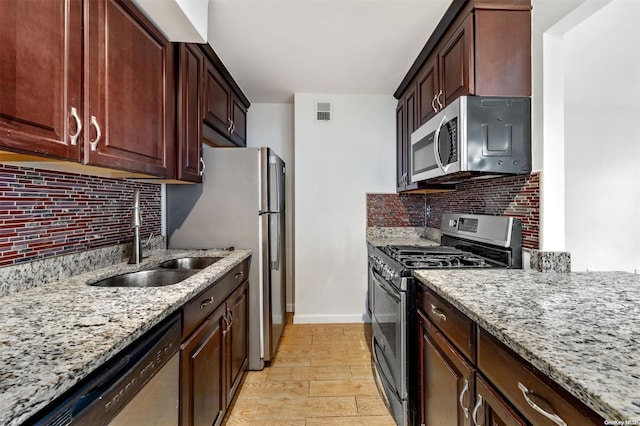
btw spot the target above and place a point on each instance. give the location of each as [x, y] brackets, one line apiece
[179, 20]
[602, 139]
[337, 163]
[271, 125]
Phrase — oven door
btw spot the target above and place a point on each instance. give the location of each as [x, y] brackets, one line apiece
[389, 324]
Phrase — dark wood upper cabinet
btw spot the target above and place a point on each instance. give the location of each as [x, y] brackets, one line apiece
[225, 106]
[480, 47]
[130, 91]
[239, 122]
[189, 104]
[401, 154]
[454, 63]
[427, 89]
[217, 100]
[41, 77]
[89, 81]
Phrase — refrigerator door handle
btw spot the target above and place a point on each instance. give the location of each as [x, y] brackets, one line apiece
[274, 173]
[275, 264]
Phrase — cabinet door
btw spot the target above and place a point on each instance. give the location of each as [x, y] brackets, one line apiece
[447, 379]
[191, 68]
[454, 63]
[427, 91]
[41, 76]
[411, 117]
[239, 120]
[202, 396]
[238, 335]
[217, 100]
[401, 155]
[490, 409]
[129, 79]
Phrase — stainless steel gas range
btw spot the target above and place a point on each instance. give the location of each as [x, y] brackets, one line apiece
[468, 241]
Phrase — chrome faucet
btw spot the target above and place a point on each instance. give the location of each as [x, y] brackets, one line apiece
[136, 221]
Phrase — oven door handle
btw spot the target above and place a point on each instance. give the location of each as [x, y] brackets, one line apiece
[380, 282]
[380, 370]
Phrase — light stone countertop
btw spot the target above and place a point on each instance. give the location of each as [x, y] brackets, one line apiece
[54, 335]
[580, 329]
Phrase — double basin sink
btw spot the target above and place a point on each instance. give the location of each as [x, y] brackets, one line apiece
[167, 273]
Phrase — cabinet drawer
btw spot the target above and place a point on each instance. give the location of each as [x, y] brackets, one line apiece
[195, 312]
[459, 329]
[519, 381]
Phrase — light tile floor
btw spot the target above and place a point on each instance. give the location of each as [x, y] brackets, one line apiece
[321, 376]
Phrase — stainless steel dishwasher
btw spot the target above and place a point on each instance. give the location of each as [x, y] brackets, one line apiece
[139, 386]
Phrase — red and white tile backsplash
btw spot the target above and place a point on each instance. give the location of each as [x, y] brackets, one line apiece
[48, 213]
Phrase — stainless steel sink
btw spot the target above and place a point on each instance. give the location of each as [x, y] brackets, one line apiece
[189, 263]
[150, 278]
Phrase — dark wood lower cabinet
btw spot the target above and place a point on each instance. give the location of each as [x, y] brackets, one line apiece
[202, 395]
[490, 409]
[447, 379]
[213, 358]
[468, 377]
[237, 306]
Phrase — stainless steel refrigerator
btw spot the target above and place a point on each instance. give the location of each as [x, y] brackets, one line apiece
[240, 203]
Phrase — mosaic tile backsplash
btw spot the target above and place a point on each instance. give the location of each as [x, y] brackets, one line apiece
[516, 196]
[49, 213]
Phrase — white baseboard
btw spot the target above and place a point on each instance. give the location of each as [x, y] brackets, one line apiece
[330, 319]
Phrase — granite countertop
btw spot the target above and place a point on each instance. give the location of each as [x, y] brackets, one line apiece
[54, 335]
[580, 329]
[400, 241]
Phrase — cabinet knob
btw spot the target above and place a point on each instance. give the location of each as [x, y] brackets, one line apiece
[74, 138]
[94, 123]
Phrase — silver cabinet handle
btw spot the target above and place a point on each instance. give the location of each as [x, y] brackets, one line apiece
[226, 324]
[438, 99]
[474, 416]
[206, 302]
[433, 103]
[233, 127]
[204, 166]
[94, 123]
[437, 312]
[229, 126]
[553, 417]
[74, 138]
[230, 318]
[239, 275]
[464, 390]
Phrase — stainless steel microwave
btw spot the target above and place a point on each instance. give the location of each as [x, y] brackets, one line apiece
[474, 136]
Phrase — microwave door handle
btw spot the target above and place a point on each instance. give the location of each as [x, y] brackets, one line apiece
[436, 143]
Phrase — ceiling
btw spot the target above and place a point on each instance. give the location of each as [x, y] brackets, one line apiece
[275, 48]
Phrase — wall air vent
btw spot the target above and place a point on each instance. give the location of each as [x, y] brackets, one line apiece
[323, 111]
